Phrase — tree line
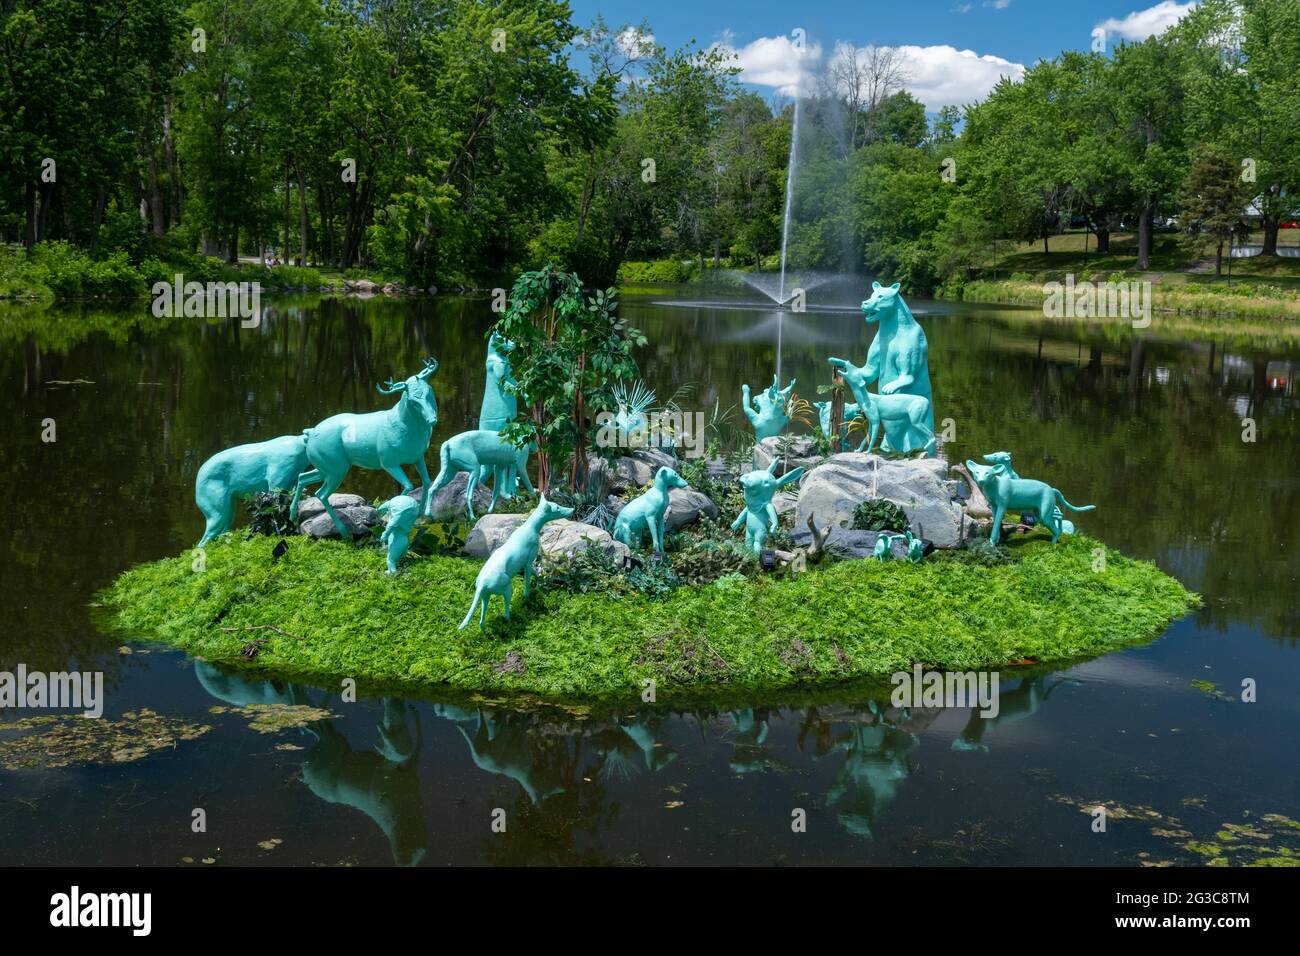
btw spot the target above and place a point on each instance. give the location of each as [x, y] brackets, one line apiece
[457, 141]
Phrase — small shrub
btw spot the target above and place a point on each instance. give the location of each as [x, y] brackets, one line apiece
[269, 514]
[879, 515]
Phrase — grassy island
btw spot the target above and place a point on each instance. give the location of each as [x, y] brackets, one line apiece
[325, 611]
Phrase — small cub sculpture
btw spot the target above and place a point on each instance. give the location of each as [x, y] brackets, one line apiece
[851, 411]
[646, 513]
[1021, 494]
[474, 452]
[767, 412]
[271, 465]
[399, 517]
[759, 516]
[515, 556]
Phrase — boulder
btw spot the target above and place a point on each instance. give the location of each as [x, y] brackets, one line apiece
[639, 468]
[920, 486]
[687, 506]
[801, 453]
[449, 501]
[558, 537]
[353, 510]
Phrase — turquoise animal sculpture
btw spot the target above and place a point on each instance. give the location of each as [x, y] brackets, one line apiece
[270, 465]
[851, 411]
[500, 403]
[514, 557]
[883, 551]
[646, 512]
[399, 517]
[759, 515]
[388, 440]
[630, 420]
[898, 361]
[767, 412]
[472, 452]
[1003, 459]
[1020, 494]
[909, 411]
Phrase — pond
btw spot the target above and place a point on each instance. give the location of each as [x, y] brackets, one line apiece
[1149, 428]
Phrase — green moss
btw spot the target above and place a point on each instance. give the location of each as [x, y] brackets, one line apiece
[325, 611]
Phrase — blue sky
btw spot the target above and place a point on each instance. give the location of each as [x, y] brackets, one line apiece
[956, 49]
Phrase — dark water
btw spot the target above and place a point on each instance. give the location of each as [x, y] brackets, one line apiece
[1148, 428]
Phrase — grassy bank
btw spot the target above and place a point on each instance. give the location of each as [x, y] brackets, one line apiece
[324, 611]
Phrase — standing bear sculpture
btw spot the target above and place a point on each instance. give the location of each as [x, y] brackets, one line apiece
[271, 465]
[646, 512]
[388, 440]
[475, 452]
[898, 361]
[759, 515]
[514, 557]
[399, 516]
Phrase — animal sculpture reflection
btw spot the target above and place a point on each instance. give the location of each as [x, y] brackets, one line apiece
[1020, 494]
[759, 516]
[388, 440]
[646, 512]
[474, 452]
[399, 517]
[271, 465]
[898, 360]
[767, 411]
[514, 557]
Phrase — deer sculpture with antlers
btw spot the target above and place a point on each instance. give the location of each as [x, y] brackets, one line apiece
[388, 440]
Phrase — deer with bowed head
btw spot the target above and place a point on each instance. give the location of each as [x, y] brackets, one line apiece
[515, 556]
[759, 516]
[388, 440]
[767, 412]
[399, 518]
[899, 361]
[271, 465]
[481, 452]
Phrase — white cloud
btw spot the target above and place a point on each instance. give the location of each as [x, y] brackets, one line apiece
[997, 4]
[937, 75]
[962, 8]
[1141, 24]
[774, 61]
[945, 76]
[635, 42]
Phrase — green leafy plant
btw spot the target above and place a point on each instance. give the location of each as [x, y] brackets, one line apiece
[877, 514]
[269, 514]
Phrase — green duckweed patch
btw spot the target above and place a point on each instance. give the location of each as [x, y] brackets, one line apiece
[51, 741]
[324, 612]
[274, 718]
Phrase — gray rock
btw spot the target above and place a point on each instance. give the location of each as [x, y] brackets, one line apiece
[802, 453]
[558, 537]
[639, 468]
[851, 544]
[686, 506]
[353, 510]
[920, 486]
[449, 502]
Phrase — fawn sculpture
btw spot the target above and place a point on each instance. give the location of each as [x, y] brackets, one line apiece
[515, 556]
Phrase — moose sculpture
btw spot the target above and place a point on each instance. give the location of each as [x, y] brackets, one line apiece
[270, 465]
[388, 440]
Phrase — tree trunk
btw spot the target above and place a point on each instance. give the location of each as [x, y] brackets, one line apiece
[29, 231]
[1270, 236]
[1103, 241]
[1144, 238]
[1218, 259]
[156, 212]
[302, 218]
[284, 246]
